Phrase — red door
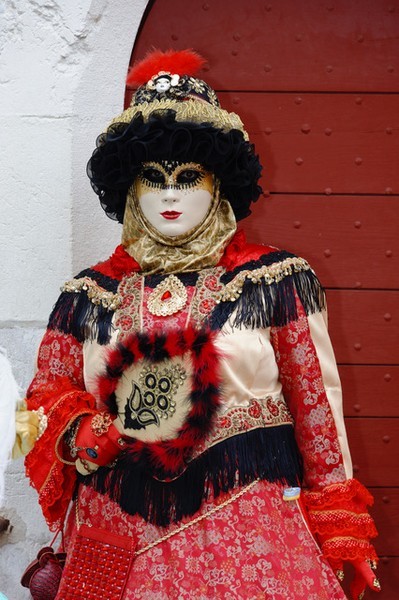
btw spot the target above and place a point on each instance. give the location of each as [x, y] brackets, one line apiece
[316, 83]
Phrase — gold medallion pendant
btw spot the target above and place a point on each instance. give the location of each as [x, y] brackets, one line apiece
[167, 298]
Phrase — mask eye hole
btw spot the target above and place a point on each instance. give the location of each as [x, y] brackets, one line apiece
[189, 177]
[153, 175]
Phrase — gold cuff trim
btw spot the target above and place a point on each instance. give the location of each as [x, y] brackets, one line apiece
[271, 274]
[337, 511]
[42, 417]
[373, 564]
[347, 538]
[96, 294]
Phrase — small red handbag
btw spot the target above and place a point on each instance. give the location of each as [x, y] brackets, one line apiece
[43, 575]
[97, 567]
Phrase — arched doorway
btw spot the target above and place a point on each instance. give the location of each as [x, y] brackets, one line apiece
[316, 84]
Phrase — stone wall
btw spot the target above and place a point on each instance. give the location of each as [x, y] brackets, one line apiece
[62, 70]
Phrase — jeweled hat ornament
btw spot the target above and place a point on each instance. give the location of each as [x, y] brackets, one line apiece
[165, 80]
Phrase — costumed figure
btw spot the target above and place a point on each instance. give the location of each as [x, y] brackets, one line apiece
[190, 389]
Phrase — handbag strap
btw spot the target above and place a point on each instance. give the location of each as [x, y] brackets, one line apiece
[198, 519]
[184, 526]
[57, 533]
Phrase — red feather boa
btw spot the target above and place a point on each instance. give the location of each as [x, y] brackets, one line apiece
[169, 457]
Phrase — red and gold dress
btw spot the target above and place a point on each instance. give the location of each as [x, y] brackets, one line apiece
[226, 389]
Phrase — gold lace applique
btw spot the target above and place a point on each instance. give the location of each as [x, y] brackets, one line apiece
[168, 297]
[96, 294]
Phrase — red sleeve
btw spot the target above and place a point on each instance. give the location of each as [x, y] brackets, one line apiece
[58, 387]
[304, 392]
[336, 506]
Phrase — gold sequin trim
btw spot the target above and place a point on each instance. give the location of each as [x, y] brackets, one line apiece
[270, 274]
[96, 294]
[196, 111]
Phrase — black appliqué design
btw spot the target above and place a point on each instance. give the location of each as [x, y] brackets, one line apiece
[153, 398]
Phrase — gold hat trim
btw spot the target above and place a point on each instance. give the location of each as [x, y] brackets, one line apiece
[196, 111]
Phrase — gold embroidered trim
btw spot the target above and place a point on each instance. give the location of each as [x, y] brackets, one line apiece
[260, 413]
[207, 288]
[196, 111]
[128, 315]
[131, 314]
[96, 294]
[271, 274]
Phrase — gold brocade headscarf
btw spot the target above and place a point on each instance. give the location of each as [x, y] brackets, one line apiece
[199, 248]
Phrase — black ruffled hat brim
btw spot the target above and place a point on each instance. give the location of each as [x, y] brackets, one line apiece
[122, 149]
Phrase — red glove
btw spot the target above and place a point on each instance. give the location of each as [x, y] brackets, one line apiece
[364, 576]
[96, 442]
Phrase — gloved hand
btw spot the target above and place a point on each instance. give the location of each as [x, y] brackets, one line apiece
[96, 442]
[364, 576]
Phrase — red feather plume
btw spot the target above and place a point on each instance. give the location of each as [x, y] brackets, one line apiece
[180, 62]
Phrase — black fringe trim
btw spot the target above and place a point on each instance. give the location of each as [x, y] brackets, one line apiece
[265, 259]
[262, 305]
[270, 454]
[74, 313]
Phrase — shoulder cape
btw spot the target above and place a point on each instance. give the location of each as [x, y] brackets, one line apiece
[261, 288]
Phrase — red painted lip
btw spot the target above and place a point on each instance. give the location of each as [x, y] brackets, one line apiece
[170, 214]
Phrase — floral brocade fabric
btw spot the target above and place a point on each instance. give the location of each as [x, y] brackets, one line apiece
[227, 555]
[307, 400]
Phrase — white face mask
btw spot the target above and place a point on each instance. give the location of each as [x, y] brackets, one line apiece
[174, 197]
